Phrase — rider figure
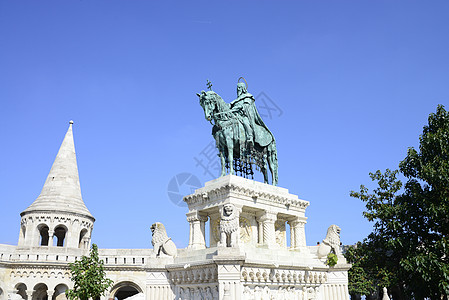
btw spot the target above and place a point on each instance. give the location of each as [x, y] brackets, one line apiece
[244, 106]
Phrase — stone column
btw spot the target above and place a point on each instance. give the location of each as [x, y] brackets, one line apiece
[85, 244]
[259, 231]
[68, 241]
[190, 232]
[50, 294]
[197, 230]
[21, 235]
[269, 236]
[29, 294]
[29, 232]
[237, 211]
[298, 232]
[203, 220]
[51, 234]
[292, 224]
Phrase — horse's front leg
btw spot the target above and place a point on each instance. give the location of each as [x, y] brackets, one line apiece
[231, 160]
[223, 164]
[264, 172]
[230, 147]
[273, 164]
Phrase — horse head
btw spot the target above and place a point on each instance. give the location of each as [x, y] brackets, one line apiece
[208, 103]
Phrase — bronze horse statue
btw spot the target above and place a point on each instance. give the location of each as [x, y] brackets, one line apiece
[231, 139]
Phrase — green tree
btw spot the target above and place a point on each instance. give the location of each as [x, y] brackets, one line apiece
[89, 277]
[408, 250]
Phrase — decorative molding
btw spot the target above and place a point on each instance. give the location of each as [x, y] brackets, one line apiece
[288, 200]
[254, 275]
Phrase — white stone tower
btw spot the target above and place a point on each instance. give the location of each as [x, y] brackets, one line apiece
[58, 217]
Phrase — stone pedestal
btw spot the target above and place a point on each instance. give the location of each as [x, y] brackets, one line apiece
[263, 210]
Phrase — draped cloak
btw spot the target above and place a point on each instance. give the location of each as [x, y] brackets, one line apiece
[262, 135]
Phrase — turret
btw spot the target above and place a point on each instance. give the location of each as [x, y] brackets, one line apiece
[59, 217]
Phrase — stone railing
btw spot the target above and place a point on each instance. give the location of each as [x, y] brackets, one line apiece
[62, 255]
[15, 254]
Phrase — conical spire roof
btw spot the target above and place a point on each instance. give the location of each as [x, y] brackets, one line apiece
[61, 191]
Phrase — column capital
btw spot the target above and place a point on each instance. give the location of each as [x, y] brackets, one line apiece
[297, 221]
[196, 216]
[268, 216]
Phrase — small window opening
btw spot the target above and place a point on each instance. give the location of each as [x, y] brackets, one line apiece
[60, 233]
[81, 242]
[43, 232]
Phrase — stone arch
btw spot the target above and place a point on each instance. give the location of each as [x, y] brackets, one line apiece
[60, 235]
[21, 289]
[59, 292]
[42, 230]
[81, 242]
[125, 289]
[40, 292]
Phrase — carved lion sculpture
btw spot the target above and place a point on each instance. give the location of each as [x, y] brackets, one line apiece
[161, 242]
[331, 242]
[229, 225]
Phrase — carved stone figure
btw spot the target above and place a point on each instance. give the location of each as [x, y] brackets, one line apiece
[215, 293]
[241, 136]
[331, 242]
[161, 242]
[197, 293]
[385, 295]
[208, 294]
[229, 224]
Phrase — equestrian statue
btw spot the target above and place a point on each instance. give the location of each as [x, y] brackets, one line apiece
[242, 138]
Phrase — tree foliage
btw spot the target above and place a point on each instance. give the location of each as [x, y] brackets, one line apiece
[408, 250]
[89, 277]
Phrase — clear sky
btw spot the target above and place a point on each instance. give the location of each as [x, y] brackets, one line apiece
[345, 87]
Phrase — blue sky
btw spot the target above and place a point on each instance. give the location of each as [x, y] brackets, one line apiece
[350, 85]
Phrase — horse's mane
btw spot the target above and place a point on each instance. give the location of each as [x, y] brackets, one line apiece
[222, 105]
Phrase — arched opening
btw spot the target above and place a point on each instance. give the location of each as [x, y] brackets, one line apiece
[1, 294]
[43, 232]
[124, 290]
[59, 236]
[59, 293]
[40, 292]
[21, 290]
[81, 244]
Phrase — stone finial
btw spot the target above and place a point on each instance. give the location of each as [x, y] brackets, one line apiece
[61, 191]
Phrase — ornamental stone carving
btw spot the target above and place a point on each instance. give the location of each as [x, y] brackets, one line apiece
[161, 242]
[331, 243]
[229, 226]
